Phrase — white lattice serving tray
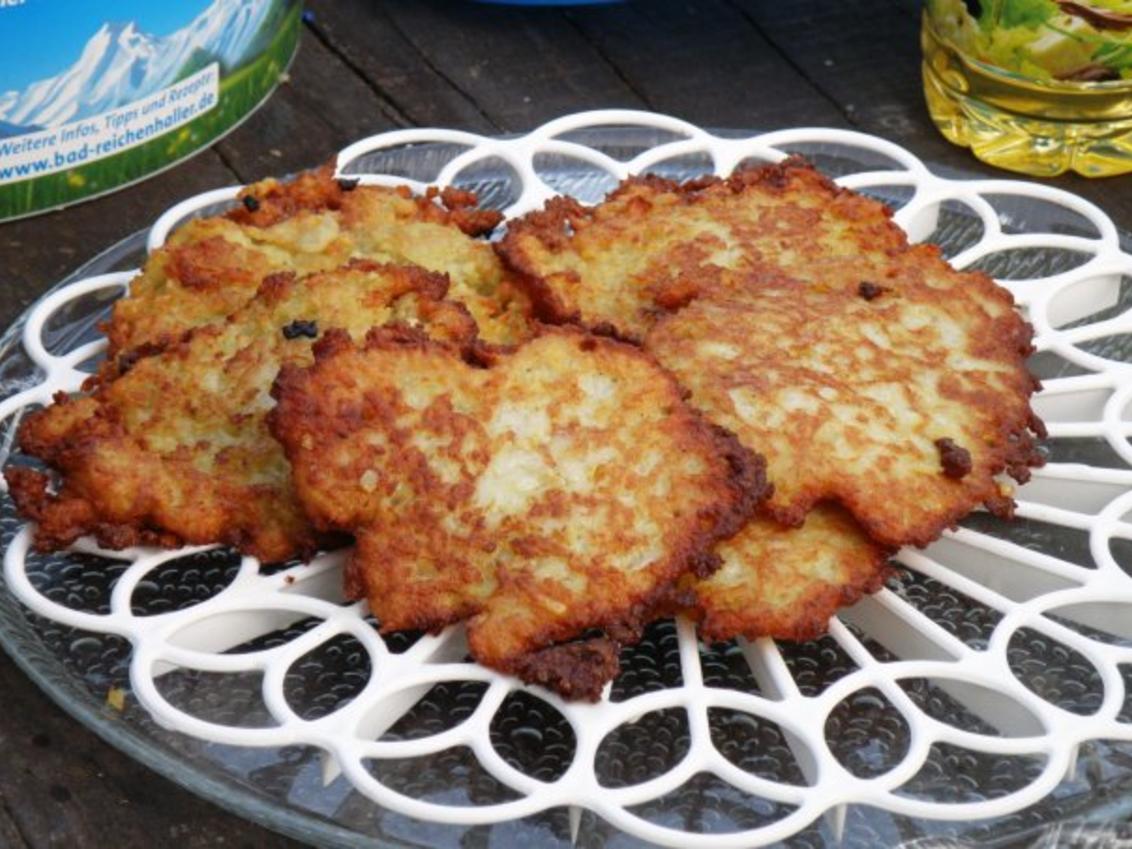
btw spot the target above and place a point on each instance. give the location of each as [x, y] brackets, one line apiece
[1003, 645]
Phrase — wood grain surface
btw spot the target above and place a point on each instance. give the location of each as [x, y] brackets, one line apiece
[370, 65]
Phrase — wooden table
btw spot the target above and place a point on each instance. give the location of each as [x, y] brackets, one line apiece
[370, 65]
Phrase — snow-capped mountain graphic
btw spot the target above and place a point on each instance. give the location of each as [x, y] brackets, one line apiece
[120, 64]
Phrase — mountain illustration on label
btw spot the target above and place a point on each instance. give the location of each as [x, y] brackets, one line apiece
[120, 64]
[127, 75]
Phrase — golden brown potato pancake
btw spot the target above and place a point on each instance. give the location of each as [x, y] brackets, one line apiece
[177, 449]
[902, 405]
[784, 582]
[565, 487]
[655, 244]
[210, 267]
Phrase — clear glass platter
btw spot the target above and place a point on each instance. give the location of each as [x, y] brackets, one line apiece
[296, 789]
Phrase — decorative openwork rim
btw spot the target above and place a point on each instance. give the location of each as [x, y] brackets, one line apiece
[1021, 584]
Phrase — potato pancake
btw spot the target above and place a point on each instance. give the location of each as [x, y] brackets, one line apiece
[904, 406]
[562, 488]
[210, 267]
[177, 449]
[784, 582]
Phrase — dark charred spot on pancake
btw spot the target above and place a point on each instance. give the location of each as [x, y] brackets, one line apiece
[677, 294]
[1025, 453]
[869, 290]
[131, 358]
[250, 203]
[705, 564]
[777, 178]
[300, 327]
[128, 360]
[588, 344]
[1001, 506]
[955, 459]
[575, 670]
[605, 328]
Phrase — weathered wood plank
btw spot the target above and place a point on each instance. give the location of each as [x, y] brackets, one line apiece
[63, 788]
[10, 834]
[863, 55]
[362, 35]
[520, 66]
[704, 62]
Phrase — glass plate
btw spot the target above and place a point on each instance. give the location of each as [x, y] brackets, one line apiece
[283, 786]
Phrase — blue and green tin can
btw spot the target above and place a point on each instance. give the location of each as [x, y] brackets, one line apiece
[96, 95]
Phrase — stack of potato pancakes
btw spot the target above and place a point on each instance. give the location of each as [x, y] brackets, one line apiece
[732, 398]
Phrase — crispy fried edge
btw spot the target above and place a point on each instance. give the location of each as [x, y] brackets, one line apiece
[576, 671]
[809, 623]
[270, 201]
[61, 518]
